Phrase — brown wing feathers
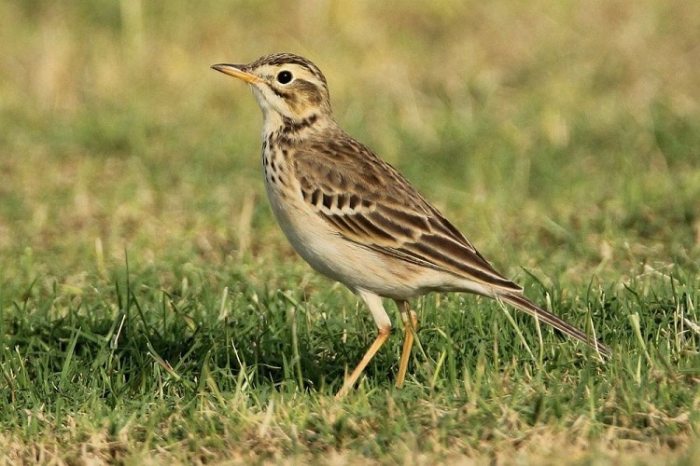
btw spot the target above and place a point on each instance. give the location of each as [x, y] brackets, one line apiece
[370, 213]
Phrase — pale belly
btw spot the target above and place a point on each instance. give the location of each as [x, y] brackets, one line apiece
[358, 267]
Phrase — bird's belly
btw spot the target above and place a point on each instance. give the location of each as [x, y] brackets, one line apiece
[340, 259]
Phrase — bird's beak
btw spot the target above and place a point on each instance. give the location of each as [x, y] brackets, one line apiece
[237, 72]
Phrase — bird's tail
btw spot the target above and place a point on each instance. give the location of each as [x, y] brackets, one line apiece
[525, 305]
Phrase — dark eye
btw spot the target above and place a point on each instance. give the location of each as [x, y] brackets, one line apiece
[284, 77]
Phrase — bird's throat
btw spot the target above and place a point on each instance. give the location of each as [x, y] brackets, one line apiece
[282, 128]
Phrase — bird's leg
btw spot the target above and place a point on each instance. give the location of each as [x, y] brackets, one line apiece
[350, 381]
[410, 324]
[374, 303]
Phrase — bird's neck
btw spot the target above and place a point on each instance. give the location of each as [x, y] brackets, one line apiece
[278, 128]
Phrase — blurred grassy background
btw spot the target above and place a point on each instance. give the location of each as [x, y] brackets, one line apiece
[524, 121]
[560, 136]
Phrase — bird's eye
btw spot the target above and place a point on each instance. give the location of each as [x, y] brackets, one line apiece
[284, 77]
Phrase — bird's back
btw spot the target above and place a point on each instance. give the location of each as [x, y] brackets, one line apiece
[371, 204]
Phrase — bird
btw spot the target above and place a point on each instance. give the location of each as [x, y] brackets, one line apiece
[355, 219]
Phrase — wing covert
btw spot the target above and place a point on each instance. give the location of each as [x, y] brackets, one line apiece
[368, 202]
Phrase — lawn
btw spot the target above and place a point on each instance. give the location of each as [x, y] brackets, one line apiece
[152, 312]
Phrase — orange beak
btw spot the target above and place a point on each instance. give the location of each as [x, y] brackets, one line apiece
[237, 72]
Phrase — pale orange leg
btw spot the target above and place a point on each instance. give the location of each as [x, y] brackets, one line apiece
[378, 342]
[410, 324]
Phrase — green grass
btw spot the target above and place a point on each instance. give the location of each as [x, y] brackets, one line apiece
[151, 311]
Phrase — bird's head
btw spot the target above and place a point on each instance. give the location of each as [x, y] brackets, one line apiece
[285, 85]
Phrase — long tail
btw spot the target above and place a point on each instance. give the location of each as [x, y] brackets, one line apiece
[525, 305]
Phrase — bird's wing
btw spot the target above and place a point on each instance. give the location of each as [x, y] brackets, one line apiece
[368, 202]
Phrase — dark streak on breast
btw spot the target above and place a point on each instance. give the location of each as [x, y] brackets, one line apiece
[290, 126]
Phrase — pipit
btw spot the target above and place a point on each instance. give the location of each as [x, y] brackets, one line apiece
[357, 220]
